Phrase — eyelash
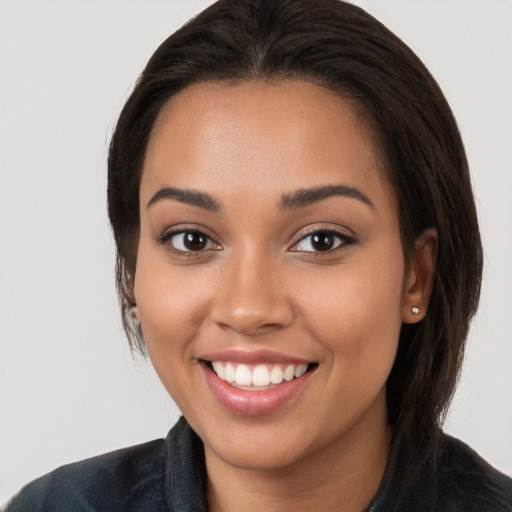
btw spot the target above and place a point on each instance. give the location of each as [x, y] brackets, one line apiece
[165, 239]
[344, 240]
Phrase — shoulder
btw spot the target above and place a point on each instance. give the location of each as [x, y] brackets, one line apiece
[469, 483]
[127, 479]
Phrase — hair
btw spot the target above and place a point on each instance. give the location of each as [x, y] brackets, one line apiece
[341, 47]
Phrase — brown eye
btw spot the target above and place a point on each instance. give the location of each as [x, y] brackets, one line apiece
[194, 241]
[322, 241]
[190, 241]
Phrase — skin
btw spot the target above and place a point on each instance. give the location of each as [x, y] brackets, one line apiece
[259, 284]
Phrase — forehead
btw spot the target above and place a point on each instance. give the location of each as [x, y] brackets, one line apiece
[257, 136]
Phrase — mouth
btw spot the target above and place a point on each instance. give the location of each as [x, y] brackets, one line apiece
[258, 377]
[256, 382]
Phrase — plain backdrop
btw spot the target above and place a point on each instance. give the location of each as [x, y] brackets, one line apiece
[69, 387]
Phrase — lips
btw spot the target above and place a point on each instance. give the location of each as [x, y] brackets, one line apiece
[255, 382]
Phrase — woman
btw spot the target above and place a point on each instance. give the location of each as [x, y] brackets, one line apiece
[298, 252]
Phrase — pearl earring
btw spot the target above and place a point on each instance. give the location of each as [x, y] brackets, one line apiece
[415, 310]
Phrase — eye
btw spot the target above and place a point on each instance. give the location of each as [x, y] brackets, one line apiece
[322, 241]
[188, 241]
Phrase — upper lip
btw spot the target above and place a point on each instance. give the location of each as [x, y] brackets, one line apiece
[252, 357]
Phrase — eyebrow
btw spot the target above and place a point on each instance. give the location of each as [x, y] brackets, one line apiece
[299, 199]
[307, 196]
[187, 196]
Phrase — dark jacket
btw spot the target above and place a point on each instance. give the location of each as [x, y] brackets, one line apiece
[169, 475]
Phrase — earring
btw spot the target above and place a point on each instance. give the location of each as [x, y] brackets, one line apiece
[415, 310]
[133, 313]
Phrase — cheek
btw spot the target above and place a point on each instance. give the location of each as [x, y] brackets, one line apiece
[171, 300]
[355, 311]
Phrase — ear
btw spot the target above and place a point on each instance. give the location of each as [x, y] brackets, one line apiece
[418, 283]
[133, 313]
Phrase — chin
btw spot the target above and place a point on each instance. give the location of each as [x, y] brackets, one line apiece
[259, 457]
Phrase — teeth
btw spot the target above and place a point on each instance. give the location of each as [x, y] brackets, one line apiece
[260, 376]
[289, 373]
[276, 375]
[229, 373]
[218, 368]
[301, 370]
[243, 375]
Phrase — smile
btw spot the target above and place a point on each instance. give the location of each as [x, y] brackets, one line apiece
[255, 383]
[257, 377]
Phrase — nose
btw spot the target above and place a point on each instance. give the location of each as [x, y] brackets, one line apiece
[252, 298]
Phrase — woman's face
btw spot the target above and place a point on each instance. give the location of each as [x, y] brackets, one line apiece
[270, 246]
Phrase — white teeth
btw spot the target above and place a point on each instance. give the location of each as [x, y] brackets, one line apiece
[218, 368]
[289, 372]
[243, 375]
[276, 375]
[260, 376]
[301, 370]
[229, 373]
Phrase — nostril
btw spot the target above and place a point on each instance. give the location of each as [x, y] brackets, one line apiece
[251, 321]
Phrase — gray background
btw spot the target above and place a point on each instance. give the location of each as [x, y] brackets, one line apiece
[69, 387]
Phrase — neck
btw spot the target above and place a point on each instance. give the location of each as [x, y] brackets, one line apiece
[344, 476]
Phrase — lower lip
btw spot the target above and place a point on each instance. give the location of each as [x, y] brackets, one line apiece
[253, 403]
